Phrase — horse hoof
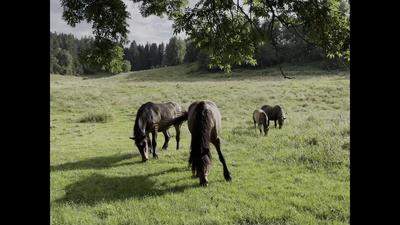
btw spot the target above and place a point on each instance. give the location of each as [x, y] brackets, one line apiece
[204, 184]
[204, 181]
[155, 156]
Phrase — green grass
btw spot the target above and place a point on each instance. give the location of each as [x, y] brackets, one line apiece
[296, 175]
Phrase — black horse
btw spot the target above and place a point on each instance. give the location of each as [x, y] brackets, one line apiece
[274, 113]
[153, 118]
[204, 122]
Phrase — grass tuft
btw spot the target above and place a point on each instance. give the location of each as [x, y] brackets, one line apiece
[95, 117]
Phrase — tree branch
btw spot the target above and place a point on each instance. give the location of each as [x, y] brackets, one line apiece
[273, 41]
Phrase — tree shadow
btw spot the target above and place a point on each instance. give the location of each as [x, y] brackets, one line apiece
[95, 163]
[100, 188]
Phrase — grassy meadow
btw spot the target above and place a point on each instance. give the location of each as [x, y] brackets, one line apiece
[296, 175]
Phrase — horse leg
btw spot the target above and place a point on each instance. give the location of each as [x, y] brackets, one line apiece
[178, 135]
[217, 144]
[275, 123]
[266, 125]
[194, 171]
[167, 136]
[154, 143]
[194, 174]
[203, 179]
[149, 143]
[261, 129]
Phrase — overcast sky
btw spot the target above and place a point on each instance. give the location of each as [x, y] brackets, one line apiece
[151, 29]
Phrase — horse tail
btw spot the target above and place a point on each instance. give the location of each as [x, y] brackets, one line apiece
[177, 120]
[180, 119]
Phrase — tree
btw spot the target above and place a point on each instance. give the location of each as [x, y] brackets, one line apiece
[133, 49]
[146, 57]
[161, 53]
[203, 60]
[140, 58]
[265, 55]
[111, 62]
[84, 48]
[126, 67]
[115, 65]
[291, 47]
[54, 67]
[175, 51]
[228, 30]
[191, 52]
[108, 19]
[153, 55]
[65, 62]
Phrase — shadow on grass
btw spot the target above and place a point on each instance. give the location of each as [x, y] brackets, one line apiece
[95, 163]
[99, 188]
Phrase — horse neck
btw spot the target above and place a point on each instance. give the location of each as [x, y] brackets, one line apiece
[140, 128]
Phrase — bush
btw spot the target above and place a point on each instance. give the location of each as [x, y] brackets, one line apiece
[333, 64]
[126, 67]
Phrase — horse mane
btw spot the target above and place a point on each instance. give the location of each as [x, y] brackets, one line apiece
[200, 155]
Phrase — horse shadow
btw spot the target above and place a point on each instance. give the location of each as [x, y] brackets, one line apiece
[100, 188]
[101, 162]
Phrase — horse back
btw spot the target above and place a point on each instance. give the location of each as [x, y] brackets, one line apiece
[270, 111]
[213, 115]
[169, 110]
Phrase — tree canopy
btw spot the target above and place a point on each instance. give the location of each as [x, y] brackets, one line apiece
[229, 31]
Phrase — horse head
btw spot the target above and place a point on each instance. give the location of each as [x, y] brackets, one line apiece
[141, 144]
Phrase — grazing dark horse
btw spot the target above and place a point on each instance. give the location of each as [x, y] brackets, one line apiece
[204, 122]
[274, 113]
[153, 118]
[260, 118]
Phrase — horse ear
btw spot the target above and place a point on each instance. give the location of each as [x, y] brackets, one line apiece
[133, 138]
